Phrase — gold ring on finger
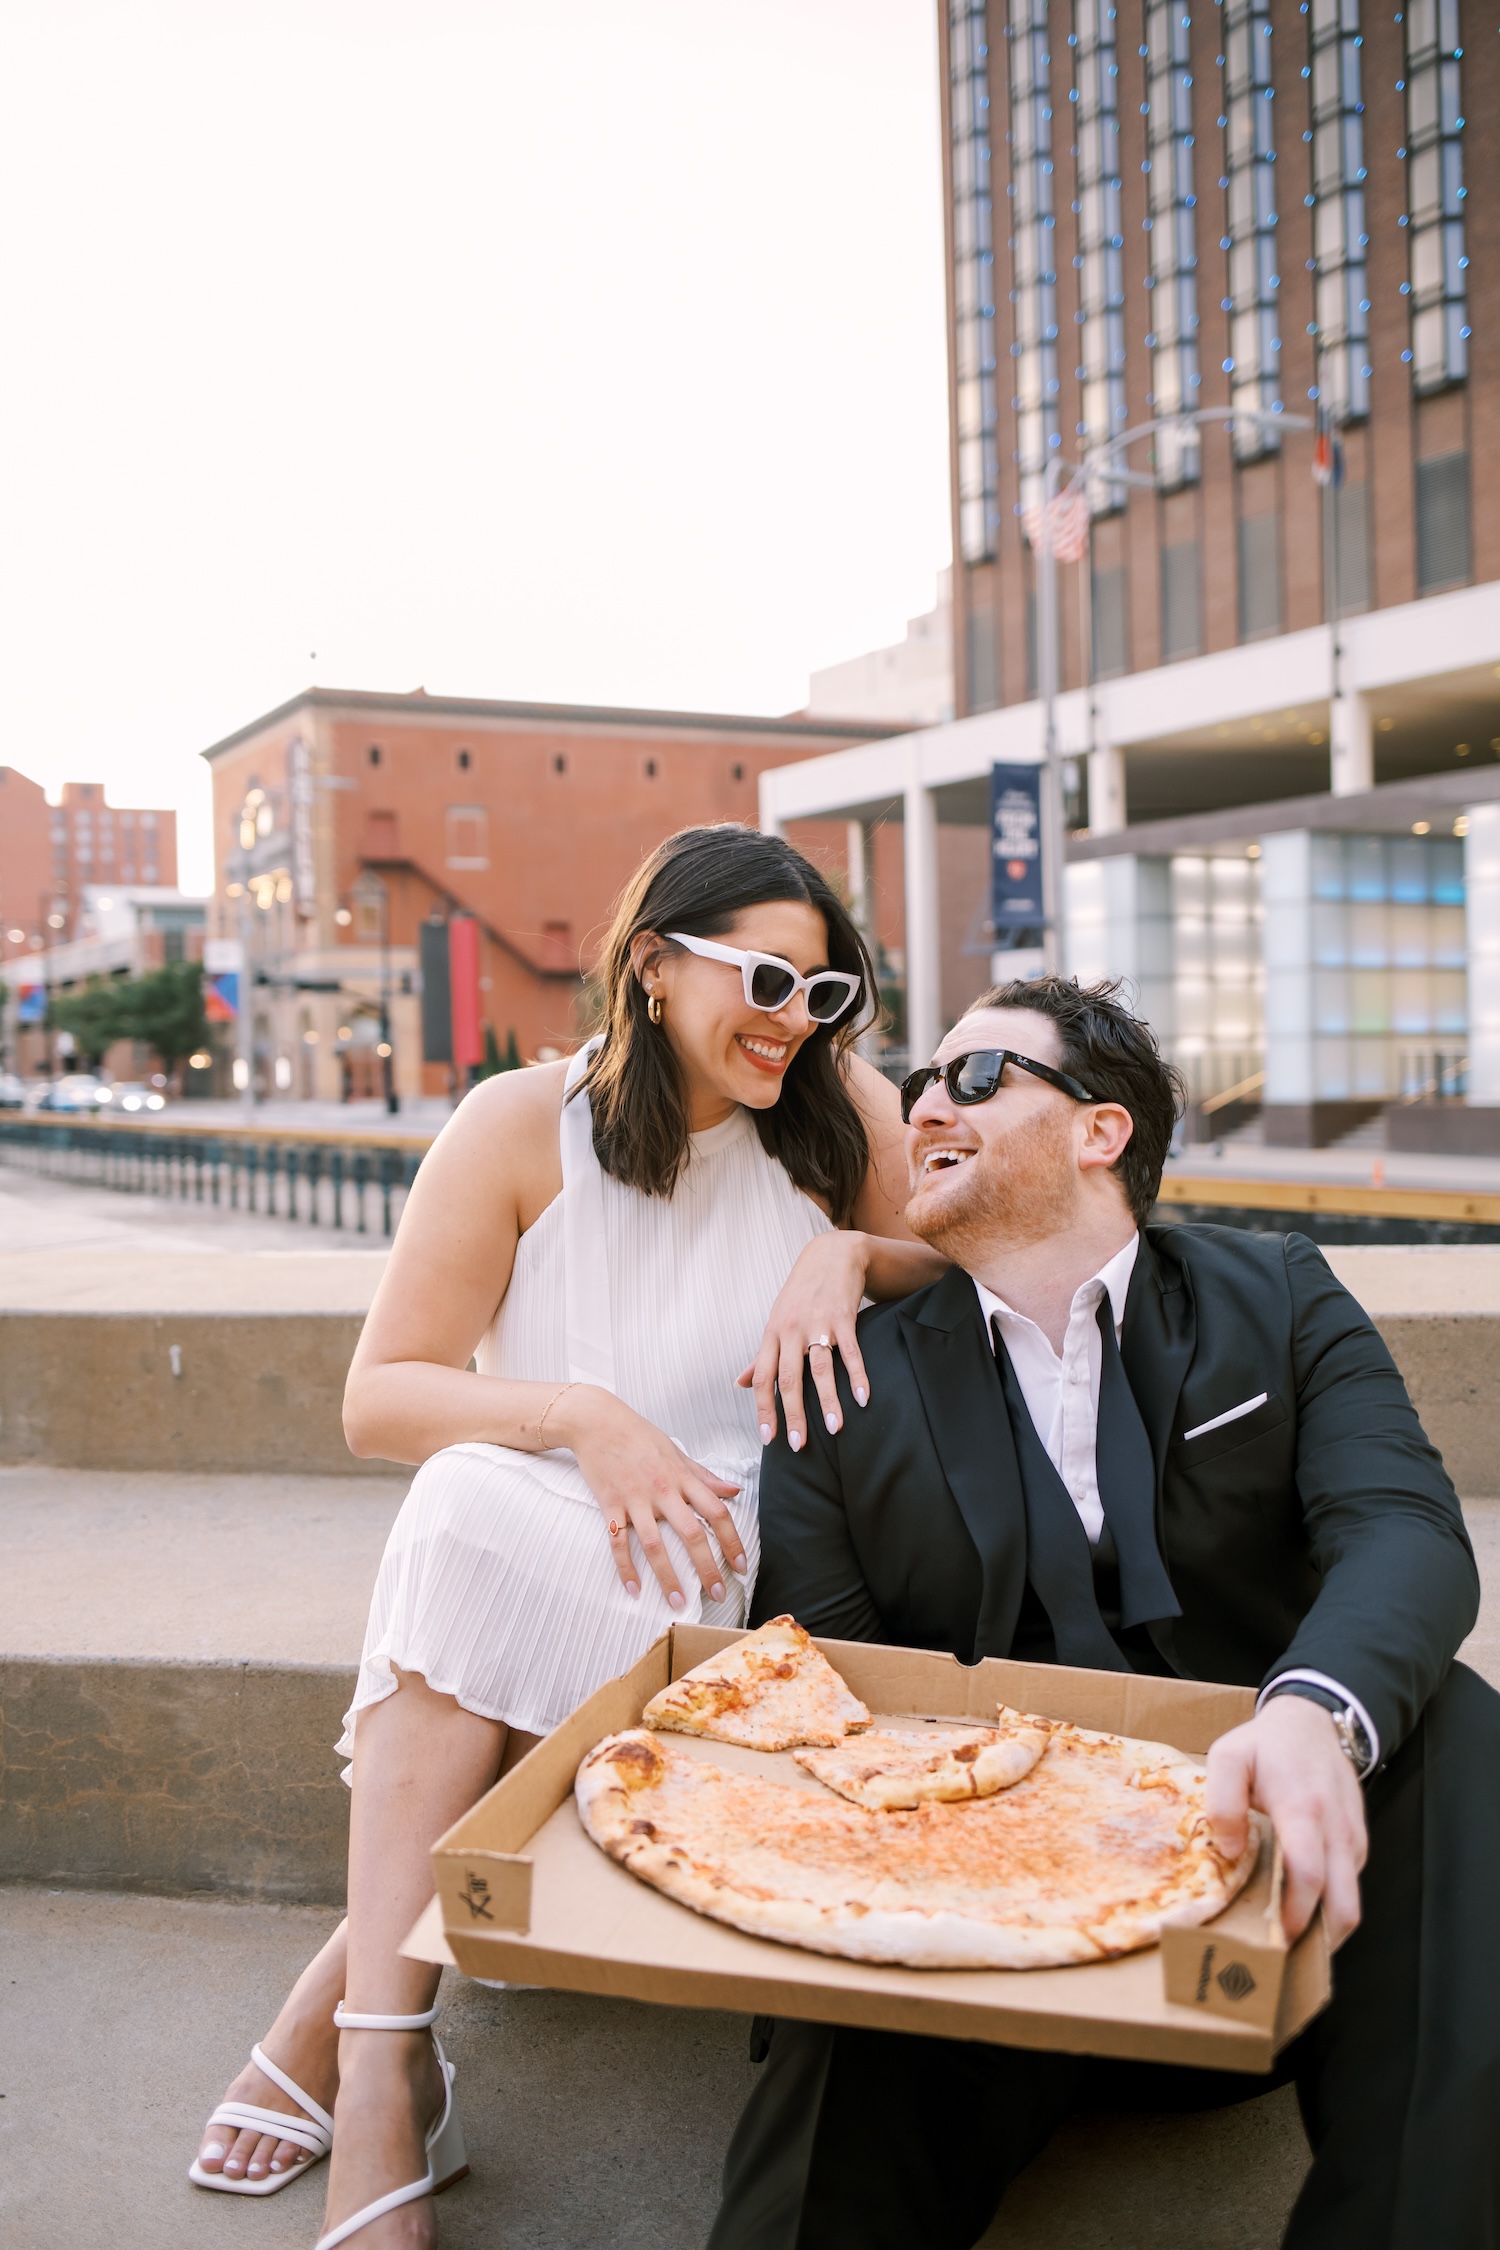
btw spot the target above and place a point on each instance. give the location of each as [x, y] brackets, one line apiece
[614, 1528]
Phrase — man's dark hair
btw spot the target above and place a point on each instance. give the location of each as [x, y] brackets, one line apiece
[1115, 1055]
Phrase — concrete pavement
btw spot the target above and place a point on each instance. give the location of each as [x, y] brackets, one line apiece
[591, 2124]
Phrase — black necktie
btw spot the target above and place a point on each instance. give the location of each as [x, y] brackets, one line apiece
[1059, 1565]
[1059, 1561]
[1127, 1488]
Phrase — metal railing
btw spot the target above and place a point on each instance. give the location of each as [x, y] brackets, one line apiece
[339, 1181]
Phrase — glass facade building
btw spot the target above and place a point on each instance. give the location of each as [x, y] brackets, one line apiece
[1173, 283]
[970, 131]
[1100, 258]
[1033, 244]
[1253, 365]
[1340, 239]
[1435, 194]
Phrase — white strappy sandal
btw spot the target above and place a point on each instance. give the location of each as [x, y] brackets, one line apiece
[447, 2159]
[313, 2132]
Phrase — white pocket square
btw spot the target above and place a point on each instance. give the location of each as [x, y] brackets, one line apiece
[1233, 1415]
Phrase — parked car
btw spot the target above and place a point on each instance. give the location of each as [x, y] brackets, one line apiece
[131, 1096]
[12, 1091]
[78, 1092]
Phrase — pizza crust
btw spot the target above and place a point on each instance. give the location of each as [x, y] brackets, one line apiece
[893, 1772]
[770, 1691]
[1090, 1856]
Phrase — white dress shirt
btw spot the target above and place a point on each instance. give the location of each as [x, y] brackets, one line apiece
[1062, 1398]
[1062, 1395]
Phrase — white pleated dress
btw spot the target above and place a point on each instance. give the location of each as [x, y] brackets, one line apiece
[497, 1584]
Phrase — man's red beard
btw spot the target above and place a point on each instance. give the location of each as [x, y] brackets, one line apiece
[1021, 1189]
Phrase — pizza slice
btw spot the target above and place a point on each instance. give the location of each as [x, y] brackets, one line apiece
[770, 1691]
[891, 1772]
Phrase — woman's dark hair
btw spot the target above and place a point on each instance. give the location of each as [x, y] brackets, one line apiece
[1116, 1057]
[697, 882]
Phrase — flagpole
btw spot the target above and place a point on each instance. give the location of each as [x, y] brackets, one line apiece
[1054, 879]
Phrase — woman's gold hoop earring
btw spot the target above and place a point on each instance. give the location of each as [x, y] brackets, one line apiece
[654, 1007]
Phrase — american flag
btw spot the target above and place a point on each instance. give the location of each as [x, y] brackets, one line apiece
[1062, 525]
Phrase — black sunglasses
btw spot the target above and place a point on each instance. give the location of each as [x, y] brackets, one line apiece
[976, 1078]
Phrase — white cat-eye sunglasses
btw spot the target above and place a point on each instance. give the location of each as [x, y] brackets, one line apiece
[771, 983]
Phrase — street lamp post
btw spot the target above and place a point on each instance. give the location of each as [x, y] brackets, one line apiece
[371, 888]
[1105, 464]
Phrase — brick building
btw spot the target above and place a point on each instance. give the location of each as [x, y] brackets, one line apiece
[51, 854]
[342, 821]
[1275, 205]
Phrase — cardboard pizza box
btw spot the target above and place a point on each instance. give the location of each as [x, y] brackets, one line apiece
[524, 1895]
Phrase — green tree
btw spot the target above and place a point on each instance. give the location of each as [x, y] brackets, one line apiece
[97, 1016]
[166, 1012]
[494, 1062]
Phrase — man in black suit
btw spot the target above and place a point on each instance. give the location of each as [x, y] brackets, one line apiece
[1171, 1449]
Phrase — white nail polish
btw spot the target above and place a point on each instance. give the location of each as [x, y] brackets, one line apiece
[277, 2165]
[833, 1424]
[213, 2154]
[767, 1432]
[794, 1440]
[861, 1398]
[632, 1589]
[716, 1592]
[674, 1601]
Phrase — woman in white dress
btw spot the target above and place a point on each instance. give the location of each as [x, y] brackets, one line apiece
[637, 1249]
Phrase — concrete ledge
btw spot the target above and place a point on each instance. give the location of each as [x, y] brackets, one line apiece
[1450, 1363]
[249, 1392]
[153, 1776]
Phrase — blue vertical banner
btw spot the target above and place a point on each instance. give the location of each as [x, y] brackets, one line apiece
[1015, 850]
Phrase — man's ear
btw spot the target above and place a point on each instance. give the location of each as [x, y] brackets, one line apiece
[1107, 1127]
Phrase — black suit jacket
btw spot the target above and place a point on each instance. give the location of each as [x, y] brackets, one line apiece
[1319, 1531]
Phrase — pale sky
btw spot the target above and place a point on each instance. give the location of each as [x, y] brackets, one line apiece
[590, 351]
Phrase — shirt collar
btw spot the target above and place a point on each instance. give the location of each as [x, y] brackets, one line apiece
[1115, 1275]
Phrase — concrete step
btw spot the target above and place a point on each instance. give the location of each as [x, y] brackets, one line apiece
[176, 1655]
[591, 2124]
[236, 1363]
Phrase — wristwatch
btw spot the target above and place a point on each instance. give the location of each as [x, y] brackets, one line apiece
[1347, 1723]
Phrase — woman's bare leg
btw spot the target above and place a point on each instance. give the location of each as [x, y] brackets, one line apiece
[420, 1761]
[427, 1767]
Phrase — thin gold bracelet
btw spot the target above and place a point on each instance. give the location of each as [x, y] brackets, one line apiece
[547, 1409]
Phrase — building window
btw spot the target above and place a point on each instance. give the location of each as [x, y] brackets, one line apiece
[1442, 522]
[464, 761]
[1101, 230]
[1111, 647]
[559, 763]
[984, 673]
[1435, 195]
[1173, 333]
[1033, 245]
[468, 837]
[1260, 576]
[1250, 165]
[1351, 531]
[973, 277]
[1339, 237]
[736, 773]
[650, 769]
[372, 755]
[1180, 571]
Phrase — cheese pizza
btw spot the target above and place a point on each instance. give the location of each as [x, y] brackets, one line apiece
[1099, 1847]
[891, 1772]
[770, 1691]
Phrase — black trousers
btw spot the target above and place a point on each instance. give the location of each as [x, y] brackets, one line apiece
[868, 2140]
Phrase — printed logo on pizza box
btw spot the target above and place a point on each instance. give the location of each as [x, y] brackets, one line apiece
[476, 1897]
[1234, 1980]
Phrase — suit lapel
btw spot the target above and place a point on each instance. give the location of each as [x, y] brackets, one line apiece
[965, 1407]
[1157, 1340]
